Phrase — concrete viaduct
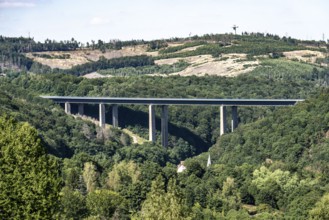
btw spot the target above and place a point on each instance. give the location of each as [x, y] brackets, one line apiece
[164, 103]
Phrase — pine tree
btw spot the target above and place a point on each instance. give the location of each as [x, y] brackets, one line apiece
[29, 178]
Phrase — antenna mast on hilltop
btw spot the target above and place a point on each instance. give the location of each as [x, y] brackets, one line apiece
[234, 28]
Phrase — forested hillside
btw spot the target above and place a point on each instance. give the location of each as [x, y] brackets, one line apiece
[194, 129]
[149, 57]
[273, 166]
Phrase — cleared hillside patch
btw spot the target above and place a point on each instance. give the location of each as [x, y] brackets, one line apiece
[227, 65]
[79, 57]
[285, 69]
[308, 56]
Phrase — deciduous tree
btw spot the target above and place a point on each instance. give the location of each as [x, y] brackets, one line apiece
[30, 181]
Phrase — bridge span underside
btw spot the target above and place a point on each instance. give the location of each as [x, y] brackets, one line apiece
[164, 103]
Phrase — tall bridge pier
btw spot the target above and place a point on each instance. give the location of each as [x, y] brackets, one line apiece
[164, 125]
[81, 109]
[67, 108]
[164, 103]
[235, 120]
[152, 129]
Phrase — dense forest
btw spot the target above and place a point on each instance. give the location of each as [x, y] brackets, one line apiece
[273, 166]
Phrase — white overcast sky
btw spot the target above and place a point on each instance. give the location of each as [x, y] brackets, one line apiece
[87, 20]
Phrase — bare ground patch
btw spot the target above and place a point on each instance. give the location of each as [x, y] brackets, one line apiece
[95, 75]
[308, 56]
[76, 58]
[228, 65]
[85, 55]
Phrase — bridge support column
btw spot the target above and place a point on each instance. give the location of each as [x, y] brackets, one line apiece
[152, 123]
[115, 116]
[164, 125]
[222, 120]
[81, 109]
[102, 115]
[67, 108]
[235, 121]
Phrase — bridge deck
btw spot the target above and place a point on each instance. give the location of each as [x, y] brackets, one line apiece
[174, 101]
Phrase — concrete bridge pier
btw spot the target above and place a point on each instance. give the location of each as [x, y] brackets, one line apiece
[102, 115]
[81, 109]
[234, 121]
[67, 108]
[222, 120]
[164, 125]
[115, 116]
[152, 123]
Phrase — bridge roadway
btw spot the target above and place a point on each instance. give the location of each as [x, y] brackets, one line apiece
[164, 103]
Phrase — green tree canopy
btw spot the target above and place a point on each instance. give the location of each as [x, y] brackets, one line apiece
[160, 204]
[122, 174]
[321, 211]
[106, 204]
[30, 181]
